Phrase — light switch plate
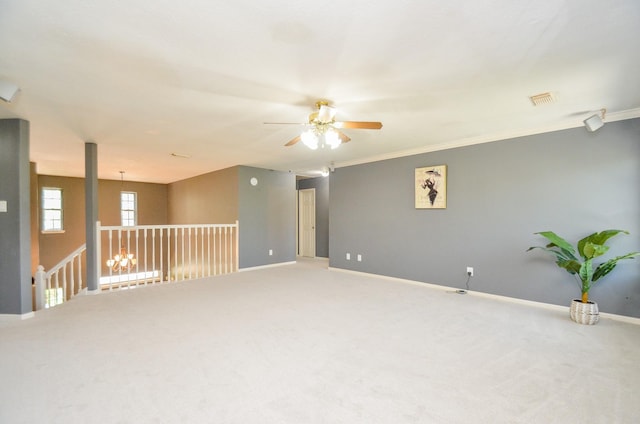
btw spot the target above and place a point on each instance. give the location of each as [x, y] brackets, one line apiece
[3, 205]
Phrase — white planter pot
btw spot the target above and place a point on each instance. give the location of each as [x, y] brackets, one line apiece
[584, 313]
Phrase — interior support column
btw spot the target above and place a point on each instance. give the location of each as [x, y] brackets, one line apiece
[91, 214]
[15, 219]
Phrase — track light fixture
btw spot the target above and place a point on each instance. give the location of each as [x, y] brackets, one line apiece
[8, 91]
[596, 121]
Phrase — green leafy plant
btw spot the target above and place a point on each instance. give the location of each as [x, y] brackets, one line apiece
[582, 266]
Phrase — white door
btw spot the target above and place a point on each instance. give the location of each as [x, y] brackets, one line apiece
[307, 222]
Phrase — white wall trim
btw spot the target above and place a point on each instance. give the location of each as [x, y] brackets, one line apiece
[549, 306]
[253, 268]
[315, 258]
[15, 317]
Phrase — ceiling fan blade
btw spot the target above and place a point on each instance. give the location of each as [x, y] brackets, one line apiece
[358, 125]
[343, 137]
[284, 123]
[294, 141]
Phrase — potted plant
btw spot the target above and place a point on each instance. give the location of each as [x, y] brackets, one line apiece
[583, 310]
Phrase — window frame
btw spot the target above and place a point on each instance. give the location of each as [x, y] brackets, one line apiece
[132, 213]
[43, 211]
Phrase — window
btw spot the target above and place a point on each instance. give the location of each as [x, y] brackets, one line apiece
[128, 208]
[52, 209]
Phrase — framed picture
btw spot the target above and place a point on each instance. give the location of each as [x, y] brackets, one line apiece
[431, 187]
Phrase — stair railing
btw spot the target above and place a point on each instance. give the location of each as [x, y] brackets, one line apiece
[155, 254]
[62, 282]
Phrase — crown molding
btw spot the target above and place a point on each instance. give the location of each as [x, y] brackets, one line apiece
[562, 125]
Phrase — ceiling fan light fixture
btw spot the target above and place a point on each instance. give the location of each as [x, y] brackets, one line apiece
[309, 139]
[323, 130]
[326, 114]
[332, 138]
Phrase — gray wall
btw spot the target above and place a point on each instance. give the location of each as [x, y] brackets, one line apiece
[321, 184]
[267, 215]
[572, 182]
[15, 223]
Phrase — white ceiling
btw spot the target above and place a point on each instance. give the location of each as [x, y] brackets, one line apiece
[144, 79]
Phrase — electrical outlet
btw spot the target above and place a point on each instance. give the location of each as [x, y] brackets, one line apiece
[270, 252]
[348, 256]
[359, 257]
[470, 271]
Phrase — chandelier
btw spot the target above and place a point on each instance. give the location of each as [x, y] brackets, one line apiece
[122, 261]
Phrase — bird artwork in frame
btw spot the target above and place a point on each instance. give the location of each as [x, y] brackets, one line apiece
[431, 187]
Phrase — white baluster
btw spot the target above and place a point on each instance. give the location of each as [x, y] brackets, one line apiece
[202, 262]
[72, 279]
[183, 229]
[128, 251]
[40, 287]
[215, 250]
[153, 253]
[208, 251]
[63, 284]
[145, 252]
[161, 256]
[168, 254]
[237, 246]
[56, 297]
[189, 240]
[195, 247]
[175, 254]
[226, 248]
[80, 282]
[110, 253]
[137, 255]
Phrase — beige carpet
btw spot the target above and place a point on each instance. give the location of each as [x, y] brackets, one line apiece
[302, 344]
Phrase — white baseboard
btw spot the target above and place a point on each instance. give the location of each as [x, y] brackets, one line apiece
[615, 317]
[253, 268]
[16, 317]
[315, 258]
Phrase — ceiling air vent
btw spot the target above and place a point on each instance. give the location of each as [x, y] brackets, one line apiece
[541, 99]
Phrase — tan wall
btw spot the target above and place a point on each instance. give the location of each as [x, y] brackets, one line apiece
[56, 246]
[152, 210]
[206, 199]
[152, 202]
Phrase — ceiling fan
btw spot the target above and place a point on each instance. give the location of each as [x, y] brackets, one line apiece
[323, 129]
